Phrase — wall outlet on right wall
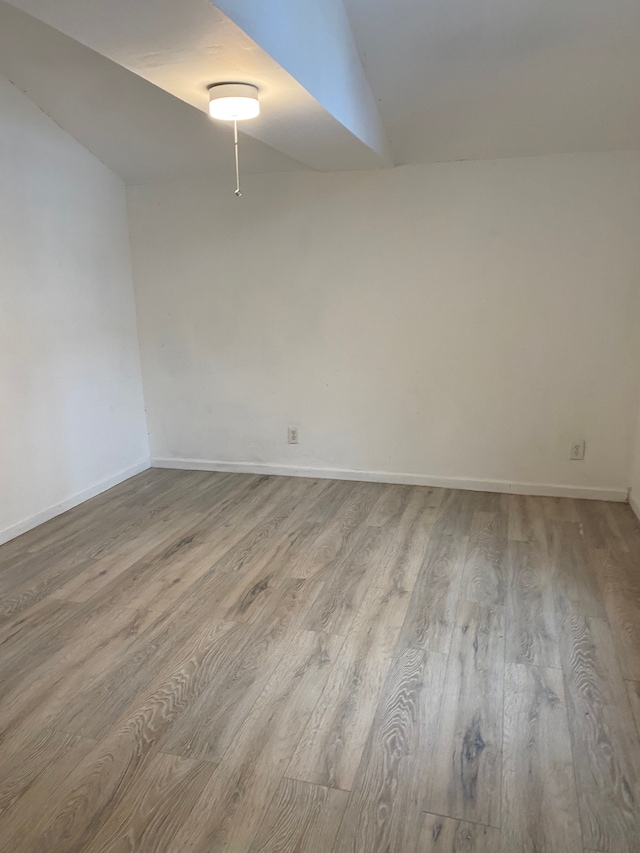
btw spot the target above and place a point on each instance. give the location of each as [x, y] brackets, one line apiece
[577, 451]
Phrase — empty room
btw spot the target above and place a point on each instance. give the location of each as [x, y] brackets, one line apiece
[319, 426]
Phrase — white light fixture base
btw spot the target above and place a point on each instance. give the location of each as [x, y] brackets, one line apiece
[233, 101]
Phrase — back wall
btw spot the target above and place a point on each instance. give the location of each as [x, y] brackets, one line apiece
[458, 323]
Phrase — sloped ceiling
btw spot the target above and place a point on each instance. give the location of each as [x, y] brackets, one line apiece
[138, 130]
[182, 47]
[345, 84]
[465, 80]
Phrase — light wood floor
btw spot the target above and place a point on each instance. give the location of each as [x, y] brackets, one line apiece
[216, 662]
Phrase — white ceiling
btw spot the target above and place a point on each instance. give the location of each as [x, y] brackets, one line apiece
[470, 79]
[140, 131]
[182, 47]
[450, 79]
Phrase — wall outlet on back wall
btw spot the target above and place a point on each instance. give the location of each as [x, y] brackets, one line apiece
[577, 451]
[292, 435]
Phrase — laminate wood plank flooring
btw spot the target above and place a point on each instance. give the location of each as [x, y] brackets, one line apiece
[209, 726]
[467, 753]
[331, 747]
[233, 804]
[25, 765]
[538, 783]
[301, 817]
[634, 698]
[343, 592]
[399, 747]
[606, 750]
[27, 708]
[19, 818]
[531, 629]
[155, 806]
[76, 808]
[433, 606]
[526, 520]
[198, 662]
[619, 581]
[574, 573]
[485, 574]
[444, 835]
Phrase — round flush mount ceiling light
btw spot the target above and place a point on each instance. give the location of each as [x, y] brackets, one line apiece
[233, 101]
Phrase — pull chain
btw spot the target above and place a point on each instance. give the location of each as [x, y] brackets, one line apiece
[235, 145]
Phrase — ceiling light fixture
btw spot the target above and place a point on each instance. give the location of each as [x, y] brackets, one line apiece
[234, 102]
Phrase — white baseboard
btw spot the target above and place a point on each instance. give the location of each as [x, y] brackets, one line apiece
[635, 505]
[506, 486]
[80, 497]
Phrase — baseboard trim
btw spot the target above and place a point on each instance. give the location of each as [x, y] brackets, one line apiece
[80, 497]
[635, 505]
[506, 486]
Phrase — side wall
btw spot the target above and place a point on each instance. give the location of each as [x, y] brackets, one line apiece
[72, 416]
[457, 324]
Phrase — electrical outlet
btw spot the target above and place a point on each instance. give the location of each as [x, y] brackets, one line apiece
[577, 451]
[293, 435]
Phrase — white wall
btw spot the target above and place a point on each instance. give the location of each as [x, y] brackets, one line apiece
[462, 320]
[72, 416]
